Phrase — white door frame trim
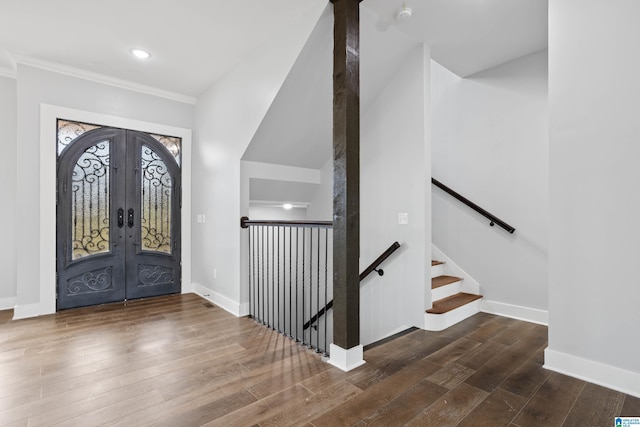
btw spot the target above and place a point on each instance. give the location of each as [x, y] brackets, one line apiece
[48, 161]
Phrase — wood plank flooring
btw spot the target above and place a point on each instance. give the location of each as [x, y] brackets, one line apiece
[179, 361]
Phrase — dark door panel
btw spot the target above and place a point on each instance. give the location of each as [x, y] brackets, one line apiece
[153, 248]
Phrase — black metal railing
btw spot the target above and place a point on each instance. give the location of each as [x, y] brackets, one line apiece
[289, 277]
[373, 267]
[492, 218]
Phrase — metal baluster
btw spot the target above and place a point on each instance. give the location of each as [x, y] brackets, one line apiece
[326, 261]
[272, 279]
[318, 297]
[278, 282]
[250, 274]
[297, 290]
[290, 294]
[310, 283]
[304, 247]
[264, 314]
[256, 271]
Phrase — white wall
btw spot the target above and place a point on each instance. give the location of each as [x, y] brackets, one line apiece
[277, 213]
[227, 117]
[321, 205]
[594, 93]
[490, 144]
[394, 171]
[8, 138]
[36, 87]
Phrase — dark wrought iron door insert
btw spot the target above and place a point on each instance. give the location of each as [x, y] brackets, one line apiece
[118, 215]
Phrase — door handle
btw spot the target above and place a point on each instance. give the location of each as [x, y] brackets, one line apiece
[120, 217]
[130, 218]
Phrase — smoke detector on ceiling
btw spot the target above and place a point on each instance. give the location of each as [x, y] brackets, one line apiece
[404, 14]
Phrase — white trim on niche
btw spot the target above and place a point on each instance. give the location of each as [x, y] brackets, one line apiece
[48, 116]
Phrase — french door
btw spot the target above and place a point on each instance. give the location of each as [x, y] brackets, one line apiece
[118, 217]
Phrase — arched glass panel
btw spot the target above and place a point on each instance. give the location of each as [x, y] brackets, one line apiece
[90, 202]
[68, 131]
[156, 203]
[172, 143]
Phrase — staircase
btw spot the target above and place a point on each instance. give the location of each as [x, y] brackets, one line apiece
[451, 304]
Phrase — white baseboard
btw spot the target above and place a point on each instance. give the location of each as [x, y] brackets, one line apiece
[222, 301]
[26, 311]
[7, 303]
[527, 314]
[346, 359]
[594, 372]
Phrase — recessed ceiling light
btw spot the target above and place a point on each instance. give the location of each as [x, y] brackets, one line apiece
[287, 206]
[140, 53]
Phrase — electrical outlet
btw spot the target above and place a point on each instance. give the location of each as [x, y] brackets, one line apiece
[403, 218]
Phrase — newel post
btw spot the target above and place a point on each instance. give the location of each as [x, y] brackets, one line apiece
[346, 351]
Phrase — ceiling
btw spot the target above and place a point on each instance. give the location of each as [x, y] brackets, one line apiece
[195, 42]
[192, 42]
[469, 36]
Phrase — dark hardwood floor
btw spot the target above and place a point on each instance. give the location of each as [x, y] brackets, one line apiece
[179, 361]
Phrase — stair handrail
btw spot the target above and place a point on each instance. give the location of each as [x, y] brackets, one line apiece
[494, 219]
[245, 222]
[373, 267]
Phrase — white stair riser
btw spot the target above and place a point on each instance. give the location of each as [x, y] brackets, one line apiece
[446, 290]
[437, 270]
[439, 322]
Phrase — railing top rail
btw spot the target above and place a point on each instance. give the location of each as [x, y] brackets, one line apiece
[494, 219]
[245, 222]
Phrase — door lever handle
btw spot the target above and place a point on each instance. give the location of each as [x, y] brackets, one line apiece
[130, 217]
[120, 217]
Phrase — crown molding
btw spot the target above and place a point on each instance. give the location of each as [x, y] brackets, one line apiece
[104, 79]
[8, 73]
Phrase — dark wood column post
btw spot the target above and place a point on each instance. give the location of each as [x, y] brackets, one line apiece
[346, 173]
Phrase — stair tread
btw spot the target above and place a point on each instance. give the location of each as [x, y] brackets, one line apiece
[451, 303]
[434, 262]
[439, 281]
